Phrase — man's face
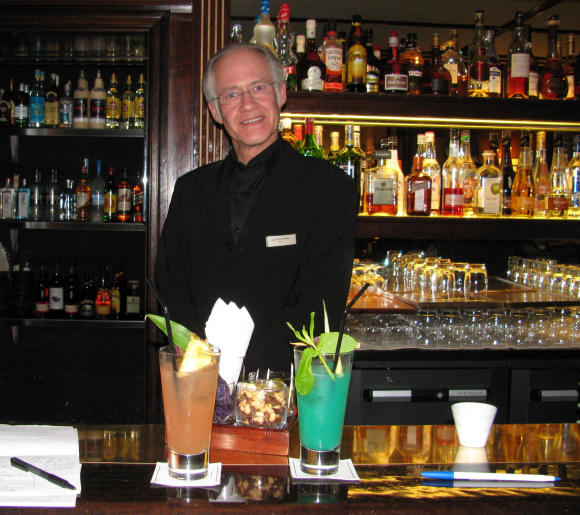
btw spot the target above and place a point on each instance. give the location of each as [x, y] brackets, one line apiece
[253, 123]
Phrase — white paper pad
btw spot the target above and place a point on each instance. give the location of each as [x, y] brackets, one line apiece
[161, 477]
[346, 472]
[51, 448]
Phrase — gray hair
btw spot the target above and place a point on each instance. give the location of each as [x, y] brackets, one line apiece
[276, 69]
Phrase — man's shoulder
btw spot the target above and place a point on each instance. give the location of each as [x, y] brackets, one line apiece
[199, 175]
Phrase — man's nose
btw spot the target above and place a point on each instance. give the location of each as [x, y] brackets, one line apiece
[247, 100]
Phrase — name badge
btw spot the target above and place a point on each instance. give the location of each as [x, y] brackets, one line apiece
[281, 240]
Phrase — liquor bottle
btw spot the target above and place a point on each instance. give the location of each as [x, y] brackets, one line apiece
[348, 158]
[523, 190]
[311, 70]
[236, 34]
[12, 100]
[574, 179]
[488, 188]
[495, 67]
[334, 148]
[287, 134]
[418, 185]
[110, 197]
[300, 52]
[21, 106]
[37, 100]
[97, 103]
[264, 30]
[437, 79]
[468, 172]
[87, 298]
[118, 296]
[51, 103]
[103, 298]
[310, 147]
[451, 179]
[137, 200]
[373, 63]
[23, 201]
[284, 42]
[558, 198]
[81, 103]
[124, 199]
[139, 120]
[113, 105]
[333, 60]
[56, 294]
[478, 85]
[298, 131]
[454, 64]
[42, 297]
[52, 197]
[356, 59]
[412, 62]
[68, 202]
[570, 65]
[394, 163]
[8, 200]
[83, 192]
[553, 83]
[37, 197]
[534, 76]
[382, 184]
[518, 61]
[431, 168]
[97, 195]
[5, 107]
[133, 300]
[507, 172]
[541, 176]
[71, 292]
[478, 36]
[319, 138]
[395, 80]
[128, 105]
[66, 107]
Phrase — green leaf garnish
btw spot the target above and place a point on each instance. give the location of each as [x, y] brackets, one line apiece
[328, 341]
[304, 379]
[181, 334]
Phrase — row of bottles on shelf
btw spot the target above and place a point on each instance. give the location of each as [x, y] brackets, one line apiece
[94, 200]
[60, 293]
[356, 64]
[50, 105]
[459, 187]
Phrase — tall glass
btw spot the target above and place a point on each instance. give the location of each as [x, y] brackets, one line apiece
[321, 414]
[188, 402]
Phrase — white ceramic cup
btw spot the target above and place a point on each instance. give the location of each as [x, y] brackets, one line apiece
[473, 421]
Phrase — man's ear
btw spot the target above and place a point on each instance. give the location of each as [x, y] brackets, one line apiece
[215, 112]
[282, 95]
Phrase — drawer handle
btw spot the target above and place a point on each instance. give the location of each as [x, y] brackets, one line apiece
[435, 395]
[555, 395]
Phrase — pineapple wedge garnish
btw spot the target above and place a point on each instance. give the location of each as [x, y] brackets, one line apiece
[196, 355]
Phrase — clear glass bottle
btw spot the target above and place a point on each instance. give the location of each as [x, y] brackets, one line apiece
[574, 180]
[264, 30]
[553, 83]
[97, 103]
[488, 188]
[541, 176]
[478, 35]
[451, 178]
[523, 192]
[430, 167]
[468, 172]
[37, 197]
[310, 69]
[287, 134]
[508, 173]
[534, 76]
[21, 106]
[518, 61]
[83, 192]
[66, 107]
[559, 196]
[8, 200]
[23, 201]
[495, 67]
[394, 78]
[67, 206]
[382, 184]
[284, 42]
[97, 185]
[479, 73]
[454, 64]
[52, 197]
[310, 147]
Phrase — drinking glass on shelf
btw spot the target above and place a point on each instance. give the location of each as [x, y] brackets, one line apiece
[561, 325]
[511, 267]
[538, 328]
[556, 278]
[518, 327]
[475, 281]
[459, 270]
[519, 267]
[427, 329]
[442, 281]
[474, 327]
[496, 328]
[545, 274]
[450, 329]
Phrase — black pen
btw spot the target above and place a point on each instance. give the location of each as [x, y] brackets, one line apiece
[27, 467]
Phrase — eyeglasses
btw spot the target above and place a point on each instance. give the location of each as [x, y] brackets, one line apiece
[256, 90]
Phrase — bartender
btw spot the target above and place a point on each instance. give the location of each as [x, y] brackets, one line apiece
[266, 228]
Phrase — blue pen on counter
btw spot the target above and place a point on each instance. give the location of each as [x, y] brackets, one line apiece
[487, 476]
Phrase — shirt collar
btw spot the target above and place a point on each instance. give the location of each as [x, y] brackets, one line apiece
[263, 160]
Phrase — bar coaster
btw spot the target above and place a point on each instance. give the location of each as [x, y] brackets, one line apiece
[346, 472]
[161, 477]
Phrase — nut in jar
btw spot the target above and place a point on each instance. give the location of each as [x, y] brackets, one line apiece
[262, 403]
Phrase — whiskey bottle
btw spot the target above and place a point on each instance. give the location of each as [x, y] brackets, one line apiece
[454, 64]
[139, 120]
[412, 62]
[124, 199]
[523, 189]
[437, 80]
[373, 63]
[541, 176]
[418, 187]
[128, 105]
[310, 147]
[97, 103]
[333, 60]
[113, 105]
[356, 59]
[382, 184]
[51, 103]
[451, 179]
[431, 168]
[574, 179]
[137, 200]
[553, 83]
[495, 67]
[103, 298]
[519, 61]
[110, 197]
[311, 70]
[284, 42]
[87, 298]
[559, 191]
[83, 193]
[507, 172]
[81, 103]
[488, 188]
[395, 80]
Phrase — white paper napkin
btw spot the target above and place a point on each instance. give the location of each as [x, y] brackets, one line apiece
[346, 472]
[230, 329]
[161, 477]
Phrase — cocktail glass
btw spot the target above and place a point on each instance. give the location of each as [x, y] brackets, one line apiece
[188, 402]
[321, 414]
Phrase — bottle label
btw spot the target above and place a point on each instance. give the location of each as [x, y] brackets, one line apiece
[396, 82]
[7, 205]
[356, 67]
[140, 108]
[520, 65]
[87, 308]
[103, 309]
[494, 80]
[110, 203]
[66, 114]
[56, 296]
[349, 169]
[42, 307]
[23, 208]
[419, 201]
[533, 84]
[452, 69]
[98, 109]
[558, 203]
[4, 112]
[571, 92]
[453, 200]
[80, 110]
[435, 192]
[36, 111]
[133, 304]
[489, 200]
[415, 79]
[21, 112]
[113, 108]
[71, 309]
[51, 113]
[124, 200]
[127, 109]
[82, 200]
[383, 191]
[313, 81]
[333, 59]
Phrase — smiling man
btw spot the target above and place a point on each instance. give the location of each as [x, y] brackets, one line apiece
[266, 227]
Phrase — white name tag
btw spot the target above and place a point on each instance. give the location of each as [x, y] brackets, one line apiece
[280, 240]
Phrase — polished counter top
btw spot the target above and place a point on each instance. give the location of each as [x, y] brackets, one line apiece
[118, 462]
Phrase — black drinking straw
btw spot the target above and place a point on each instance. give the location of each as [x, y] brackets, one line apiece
[343, 322]
[165, 311]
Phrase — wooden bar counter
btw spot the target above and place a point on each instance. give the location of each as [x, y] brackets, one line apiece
[118, 462]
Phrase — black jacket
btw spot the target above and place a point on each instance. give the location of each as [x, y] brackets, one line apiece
[198, 262]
